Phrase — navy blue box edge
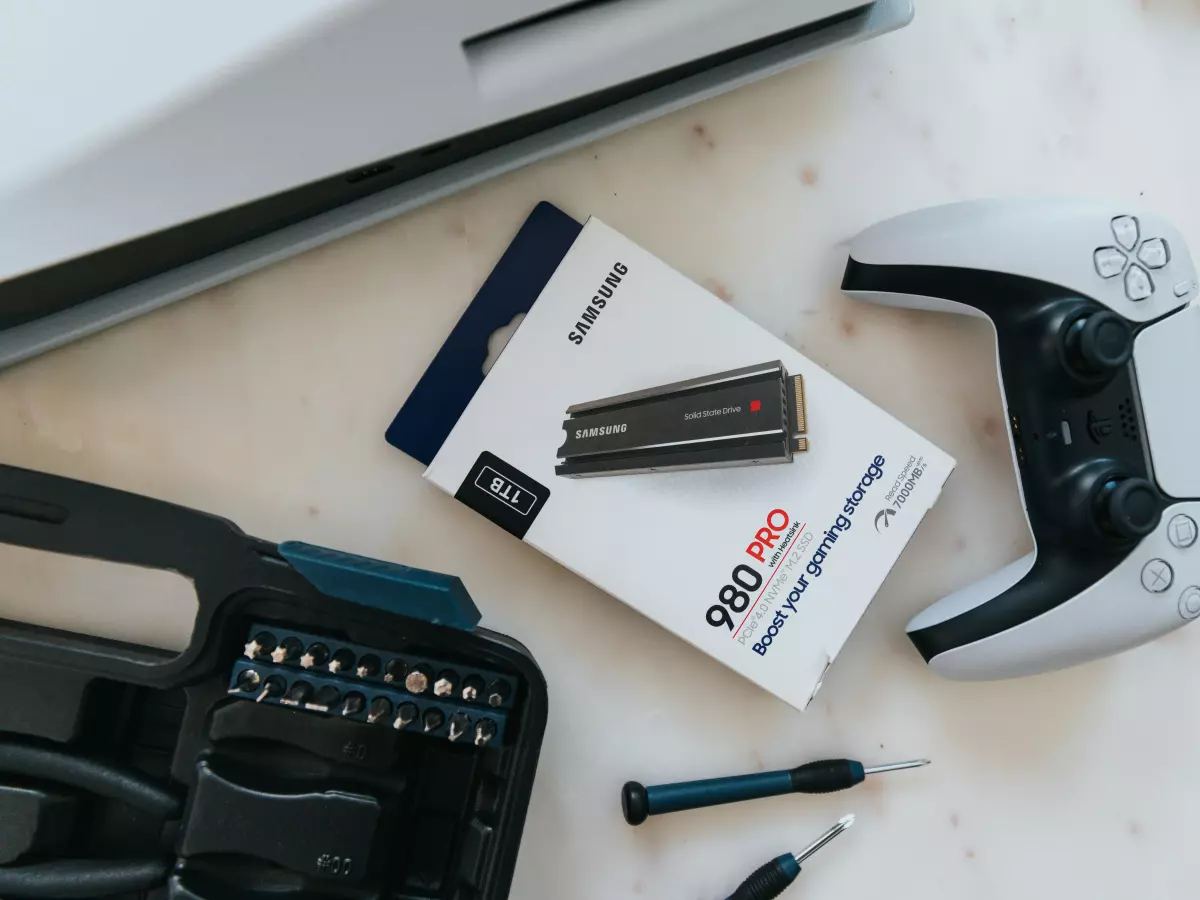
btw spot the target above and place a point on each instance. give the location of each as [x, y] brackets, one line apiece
[456, 373]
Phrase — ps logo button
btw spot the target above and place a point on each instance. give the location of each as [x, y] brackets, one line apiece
[1181, 531]
[1157, 576]
[1189, 603]
[1098, 427]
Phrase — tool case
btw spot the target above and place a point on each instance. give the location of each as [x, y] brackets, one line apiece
[337, 729]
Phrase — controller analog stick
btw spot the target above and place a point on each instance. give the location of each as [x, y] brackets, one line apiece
[1129, 508]
[1099, 343]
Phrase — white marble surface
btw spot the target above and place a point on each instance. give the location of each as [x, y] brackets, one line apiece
[266, 401]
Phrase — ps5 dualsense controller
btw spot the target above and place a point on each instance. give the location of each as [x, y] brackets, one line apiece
[1098, 346]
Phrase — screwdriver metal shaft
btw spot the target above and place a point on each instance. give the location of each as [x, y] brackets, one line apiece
[825, 776]
[895, 767]
[841, 825]
[772, 879]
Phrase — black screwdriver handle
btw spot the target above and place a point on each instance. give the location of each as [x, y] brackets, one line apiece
[768, 881]
[826, 776]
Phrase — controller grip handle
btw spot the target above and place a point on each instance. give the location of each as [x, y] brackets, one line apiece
[974, 595]
[1062, 611]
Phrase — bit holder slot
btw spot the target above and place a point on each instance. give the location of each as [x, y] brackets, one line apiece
[408, 693]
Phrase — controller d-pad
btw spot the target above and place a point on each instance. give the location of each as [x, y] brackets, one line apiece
[1157, 576]
[1154, 253]
[1110, 262]
[1125, 230]
[1138, 285]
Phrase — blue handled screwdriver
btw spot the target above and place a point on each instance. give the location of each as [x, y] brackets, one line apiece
[772, 879]
[824, 776]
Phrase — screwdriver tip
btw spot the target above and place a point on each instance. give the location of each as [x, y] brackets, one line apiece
[842, 824]
[893, 767]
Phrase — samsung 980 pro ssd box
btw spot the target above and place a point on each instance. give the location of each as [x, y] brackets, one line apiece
[658, 443]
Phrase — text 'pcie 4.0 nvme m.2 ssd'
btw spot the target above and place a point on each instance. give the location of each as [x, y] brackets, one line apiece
[743, 417]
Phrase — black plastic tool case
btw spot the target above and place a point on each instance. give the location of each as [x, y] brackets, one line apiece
[123, 766]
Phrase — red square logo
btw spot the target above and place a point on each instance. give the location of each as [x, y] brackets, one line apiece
[755, 406]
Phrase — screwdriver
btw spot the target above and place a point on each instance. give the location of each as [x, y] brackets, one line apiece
[824, 776]
[772, 879]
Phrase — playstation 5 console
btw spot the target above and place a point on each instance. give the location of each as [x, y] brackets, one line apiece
[154, 150]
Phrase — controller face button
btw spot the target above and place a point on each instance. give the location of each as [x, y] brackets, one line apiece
[1189, 603]
[1125, 230]
[1138, 285]
[1157, 576]
[1181, 531]
[1110, 262]
[1154, 253]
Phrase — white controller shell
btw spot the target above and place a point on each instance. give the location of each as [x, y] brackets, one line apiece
[1069, 248]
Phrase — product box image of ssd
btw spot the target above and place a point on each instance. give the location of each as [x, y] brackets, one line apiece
[733, 491]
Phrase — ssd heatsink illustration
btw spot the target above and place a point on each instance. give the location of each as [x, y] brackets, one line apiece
[743, 417]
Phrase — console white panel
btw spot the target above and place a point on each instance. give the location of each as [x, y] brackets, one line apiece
[137, 115]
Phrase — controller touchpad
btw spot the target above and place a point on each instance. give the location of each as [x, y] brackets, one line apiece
[1166, 356]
